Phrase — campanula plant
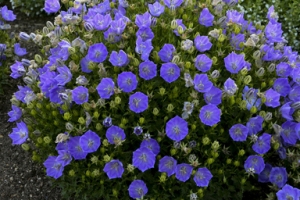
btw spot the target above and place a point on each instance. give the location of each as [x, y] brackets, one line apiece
[167, 99]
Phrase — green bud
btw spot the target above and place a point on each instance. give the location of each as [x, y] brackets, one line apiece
[36, 158]
[71, 172]
[214, 60]
[94, 160]
[47, 139]
[96, 114]
[162, 178]
[241, 152]
[112, 104]
[75, 113]
[173, 151]
[155, 111]
[191, 25]
[88, 173]
[185, 17]
[99, 127]
[136, 62]
[222, 37]
[105, 143]
[115, 193]
[236, 29]
[130, 168]
[271, 83]
[243, 181]
[215, 154]
[247, 79]
[39, 140]
[228, 161]
[141, 120]
[170, 107]
[194, 126]
[118, 100]
[102, 150]
[33, 112]
[81, 120]
[187, 65]
[71, 50]
[243, 104]
[95, 173]
[263, 85]
[215, 145]
[25, 146]
[106, 158]
[210, 161]
[253, 110]
[205, 140]
[276, 146]
[38, 58]
[236, 163]
[174, 24]
[162, 91]
[180, 30]
[176, 59]
[244, 71]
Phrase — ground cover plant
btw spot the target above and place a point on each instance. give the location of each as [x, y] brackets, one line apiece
[160, 100]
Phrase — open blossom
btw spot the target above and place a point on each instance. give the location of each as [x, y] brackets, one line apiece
[106, 88]
[138, 102]
[18, 50]
[19, 134]
[170, 72]
[54, 168]
[238, 132]
[203, 63]
[156, 9]
[143, 159]
[51, 6]
[234, 62]
[147, 70]
[15, 113]
[166, 53]
[75, 149]
[202, 177]
[114, 169]
[206, 18]
[137, 189]
[127, 81]
[183, 172]
[255, 163]
[89, 141]
[97, 52]
[264, 176]
[115, 135]
[168, 165]
[80, 95]
[202, 83]
[278, 176]
[210, 115]
[202, 43]
[177, 128]
[118, 59]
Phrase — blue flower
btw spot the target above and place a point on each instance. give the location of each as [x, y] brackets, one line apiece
[213, 96]
[238, 132]
[143, 159]
[288, 193]
[118, 59]
[115, 135]
[203, 63]
[127, 81]
[288, 132]
[287, 111]
[156, 9]
[75, 149]
[14, 114]
[255, 163]
[183, 172]
[236, 40]
[166, 53]
[294, 94]
[147, 70]
[177, 129]
[202, 43]
[54, 168]
[282, 86]
[97, 52]
[250, 95]
[64, 157]
[272, 98]
[51, 6]
[143, 20]
[114, 169]
[202, 177]
[107, 122]
[202, 83]
[84, 63]
[210, 115]
[64, 75]
[179, 24]
[17, 69]
[263, 144]
[80, 95]
[234, 62]
[118, 26]
[168, 165]
[143, 48]
[8, 15]
[145, 33]
[138, 102]
[263, 177]
[278, 176]
[106, 88]
[230, 87]
[137, 189]
[172, 4]
[151, 144]
[282, 152]
[170, 72]
[89, 141]
[19, 134]
[273, 32]
[206, 18]
[18, 50]
[254, 125]
[101, 22]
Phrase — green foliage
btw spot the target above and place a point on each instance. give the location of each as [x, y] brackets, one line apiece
[288, 13]
[29, 7]
[215, 149]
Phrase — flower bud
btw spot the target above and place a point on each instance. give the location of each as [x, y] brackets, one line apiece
[50, 25]
[236, 163]
[176, 59]
[162, 178]
[241, 152]
[47, 139]
[215, 145]
[271, 67]
[174, 24]
[170, 108]
[205, 140]
[247, 79]
[222, 37]
[67, 116]
[215, 74]
[38, 58]
[268, 116]
[25, 146]
[180, 30]
[141, 120]
[162, 91]
[260, 72]
[173, 151]
[106, 158]
[155, 111]
[24, 36]
[243, 181]
[256, 54]
[88, 26]
[210, 161]
[253, 110]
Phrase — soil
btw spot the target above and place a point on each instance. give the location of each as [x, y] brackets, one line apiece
[20, 177]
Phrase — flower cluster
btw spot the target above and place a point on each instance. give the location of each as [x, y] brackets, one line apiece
[190, 96]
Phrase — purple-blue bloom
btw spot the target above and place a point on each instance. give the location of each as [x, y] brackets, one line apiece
[115, 135]
[230, 87]
[179, 24]
[80, 95]
[263, 177]
[250, 96]
[238, 132]
[166, 53]
[138, 130]
[118, 26]
[206, 18]
[256, 163]
[137, 189]
[202, 43]
[168, 165]
[203, 63]
[282, 86]
[263, 144]
[147, 70]
[145, 33]
[273, 98]
[172, 4]
[84, 63]
[54, 168]
[106, 88]
[143, 48]
[17, 70]
[213, 96]
[183, 172]
[107, 122]
[143, 159]
[7, 15]
[282, 152]
[89, 141]
[75, 149]
[273, 32]
[202, 177]
[210, 115]
[51, 6]
[18, 50]
[170, 72]
[236, 40]
[64, 75]
[20, 95]
[143, 20]
[114, 169]
[288, 193]
[177, 128]
[294, 94]
[151, 144]
[287, 111]
[254, 125]
[202, 83]
[14, 114]
[288, 132]
[101, 22]
[127, 81]
[156, 9]
[64, 157]
[118, 59]
[19, 134]
[97, 52]
[138, 102]
[278, 176]
[234, 62]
